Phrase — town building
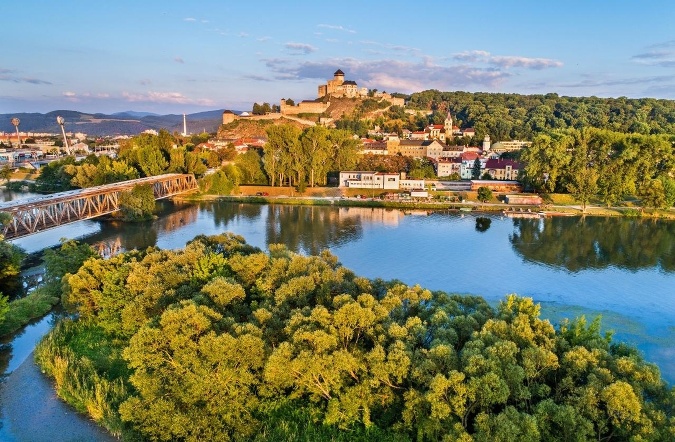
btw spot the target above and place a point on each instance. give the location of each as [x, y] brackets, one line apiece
[503, 169]
[509, 146]
[369, 180]
[416, 148]
[374, 147]
[448, 166]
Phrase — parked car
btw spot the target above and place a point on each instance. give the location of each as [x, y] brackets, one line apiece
[262, 194]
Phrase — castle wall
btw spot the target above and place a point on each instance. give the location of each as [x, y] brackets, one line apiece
[306, 107]
[228, 117]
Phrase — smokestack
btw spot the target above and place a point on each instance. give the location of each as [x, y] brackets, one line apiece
[184, 126]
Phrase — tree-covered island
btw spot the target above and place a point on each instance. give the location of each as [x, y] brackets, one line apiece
[222, 341]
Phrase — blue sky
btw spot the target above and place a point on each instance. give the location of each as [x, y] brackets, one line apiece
[190, 56]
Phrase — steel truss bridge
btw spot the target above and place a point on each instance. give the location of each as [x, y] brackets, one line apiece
[32, 215]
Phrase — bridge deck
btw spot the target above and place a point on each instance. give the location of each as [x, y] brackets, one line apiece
[31, 215]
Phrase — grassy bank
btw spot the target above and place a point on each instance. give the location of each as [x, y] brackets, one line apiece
[33, 306]
[561, 205]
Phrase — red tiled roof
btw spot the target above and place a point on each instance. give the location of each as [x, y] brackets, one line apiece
[469, 156]
[501, 164]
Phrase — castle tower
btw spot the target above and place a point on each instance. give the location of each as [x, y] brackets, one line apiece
[339, 77]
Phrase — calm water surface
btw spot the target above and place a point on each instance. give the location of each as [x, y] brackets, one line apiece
[622, 269]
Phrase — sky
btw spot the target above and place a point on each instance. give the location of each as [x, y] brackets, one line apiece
[191, 56]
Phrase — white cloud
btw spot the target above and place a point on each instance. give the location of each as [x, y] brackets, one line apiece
[75, 97]
[179, 60]
[507, 61]
[660, 54]
[190, 19]
[391, 47]
[337, 28]
[392, 75]
[472, 56]
[166, 98]
[525, 62]
[300, 48]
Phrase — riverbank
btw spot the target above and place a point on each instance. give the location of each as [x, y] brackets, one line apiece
[31, 411]
[434, 205]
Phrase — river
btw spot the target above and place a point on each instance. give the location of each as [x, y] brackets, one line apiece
[622, 269]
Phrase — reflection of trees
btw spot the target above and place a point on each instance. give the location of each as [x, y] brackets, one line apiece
[310, 229]
[591, 243]
[224, 212]
[118, 236]
[5, 357]
[483, 223]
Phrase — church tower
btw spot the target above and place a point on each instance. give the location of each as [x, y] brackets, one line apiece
[486, 143]
[448, 126]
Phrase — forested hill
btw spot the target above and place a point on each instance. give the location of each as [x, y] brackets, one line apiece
[514, 116]
[124, 123]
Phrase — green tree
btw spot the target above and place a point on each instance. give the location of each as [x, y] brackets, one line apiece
[548, 154]
[207, 381]
[6, 172]
[484, 194]
[250, 166]
[11, 258]
[668, 190]
[282, 147]
[53, 177]
[653, 195]
[4, 307]
[344, 150]
[475, 170]
[421, 168]
[137, 204]
[316, 152]
[222, 182]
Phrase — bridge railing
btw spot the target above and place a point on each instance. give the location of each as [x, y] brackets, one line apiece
[32, 215]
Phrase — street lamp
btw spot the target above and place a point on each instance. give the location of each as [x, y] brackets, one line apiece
[15, 122]
[61, 121]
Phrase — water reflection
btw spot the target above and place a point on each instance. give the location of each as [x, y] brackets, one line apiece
[312, 229]
[483, 223]
[223, 212]
[596, 243]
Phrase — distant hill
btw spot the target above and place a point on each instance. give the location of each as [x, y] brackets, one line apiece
[134, 114]
[120, 123]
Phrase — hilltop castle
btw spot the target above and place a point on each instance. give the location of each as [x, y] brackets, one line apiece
[338, 87]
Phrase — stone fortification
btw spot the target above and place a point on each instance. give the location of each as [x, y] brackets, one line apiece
[304, 107]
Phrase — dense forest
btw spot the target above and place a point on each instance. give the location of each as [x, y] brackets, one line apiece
[221, 341]
[521, 117]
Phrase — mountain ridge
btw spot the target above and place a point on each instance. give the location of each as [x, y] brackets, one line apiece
[119, 123]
